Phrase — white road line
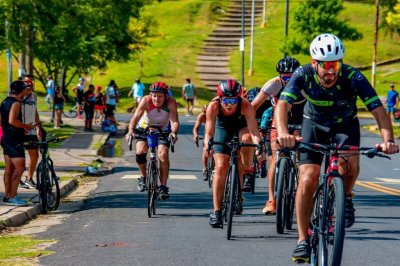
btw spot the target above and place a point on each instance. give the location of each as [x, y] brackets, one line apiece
[182, 177]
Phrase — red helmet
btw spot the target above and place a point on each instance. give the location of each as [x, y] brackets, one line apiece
[159, 87]
[229, 88]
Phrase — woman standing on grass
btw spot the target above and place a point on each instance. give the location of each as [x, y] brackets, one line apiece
[59, 100]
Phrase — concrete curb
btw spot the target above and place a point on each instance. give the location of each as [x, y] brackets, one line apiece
[20, 215]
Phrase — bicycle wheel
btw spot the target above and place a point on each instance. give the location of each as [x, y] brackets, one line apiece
[332, 243]
[281, 194]
[52, 189]
[151, 189]
[314, 231]
[233, 197]
[155, 186]
[43, 176]
[71, 113]
[291, 196]
[210, 170]
[227, 192]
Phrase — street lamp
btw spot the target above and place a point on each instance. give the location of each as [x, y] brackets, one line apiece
[251, 72]
[242, 43]
[264, 17]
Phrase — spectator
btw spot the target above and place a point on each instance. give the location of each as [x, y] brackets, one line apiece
[111, 96]
[189, 93]
[392, 101]
[30, 115]
[12, 142]
[99, 106]
[59, 100]
[109, 124]
[137, 91]
[79, 89]
[50, 92]
[89, 99]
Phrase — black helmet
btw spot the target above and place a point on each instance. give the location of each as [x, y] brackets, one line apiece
[287, 65]
[253, 93]
[229, 88]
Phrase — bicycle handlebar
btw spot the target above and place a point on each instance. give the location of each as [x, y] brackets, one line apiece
[43, 143]
[233, 144]
[197, 141]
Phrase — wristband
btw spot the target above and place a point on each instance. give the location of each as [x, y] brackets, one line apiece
[390, 141]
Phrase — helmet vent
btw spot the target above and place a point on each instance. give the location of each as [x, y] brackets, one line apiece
[322, 51]
[329, 48]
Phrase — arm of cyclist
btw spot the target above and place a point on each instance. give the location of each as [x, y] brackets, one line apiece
[13, 118]
[281, 117]
[385, 126]
[173, 118]
[211, 116]
[136, 117]
[250, 115]
[201, 118]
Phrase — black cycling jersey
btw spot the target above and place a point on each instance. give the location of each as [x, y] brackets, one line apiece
[335, 105]
[10, 133]
[237, 120]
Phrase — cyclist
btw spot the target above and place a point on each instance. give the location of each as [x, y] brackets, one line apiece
[251, 95]
[272, 90]
[78, 90]
[229, 115]
[201, 119]
[331, 89]
[156, 109]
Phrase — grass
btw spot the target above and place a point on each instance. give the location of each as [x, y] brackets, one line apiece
[13, 247]
[2, 164]
[62, 133]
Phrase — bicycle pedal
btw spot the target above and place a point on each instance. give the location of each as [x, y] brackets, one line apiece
[301, 260]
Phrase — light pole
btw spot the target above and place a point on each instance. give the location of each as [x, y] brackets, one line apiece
[9, 60]
[251, 72]
[373, 78]
[286, 22]
[242, 43]
[264, 17]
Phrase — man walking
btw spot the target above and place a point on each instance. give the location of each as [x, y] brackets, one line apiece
[189, 93]
[137, 91]
[392, 101]
[50, 91]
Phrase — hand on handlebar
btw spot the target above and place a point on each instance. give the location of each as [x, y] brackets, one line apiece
[129, 135]
[388, 147]
[174, 136]
[289, 141]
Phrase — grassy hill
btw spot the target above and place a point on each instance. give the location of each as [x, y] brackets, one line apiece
[184, 24]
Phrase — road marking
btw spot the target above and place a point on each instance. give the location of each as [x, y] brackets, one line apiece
[181, 177]
[390, 180]
[374, 186]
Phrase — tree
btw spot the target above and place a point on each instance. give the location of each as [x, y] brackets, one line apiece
[391, 22]
[76, 35]
[314, 17]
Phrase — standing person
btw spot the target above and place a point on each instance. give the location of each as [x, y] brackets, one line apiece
[30, 115]
[111, 96]
[137, 91]
[12, 142]
[50, 91]
[99, 106]
[189, 94]
[78, 90]
[89, 99]
[392, 101]
[59, 100]
[201, 119]
[331, 89]
[272, 89]
[156, 109]
[229, 115]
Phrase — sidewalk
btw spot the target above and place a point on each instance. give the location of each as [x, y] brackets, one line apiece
[72, 158]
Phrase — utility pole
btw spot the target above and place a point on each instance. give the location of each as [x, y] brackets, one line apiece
[373, 78]
[251, 72]
[9, 61]
[264, 17]
[286, 22]
[242, 43]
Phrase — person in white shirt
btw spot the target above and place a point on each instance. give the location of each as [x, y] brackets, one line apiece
[137, 91]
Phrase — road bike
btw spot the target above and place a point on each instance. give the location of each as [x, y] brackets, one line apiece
[232, 201]
[72, 112]
[210, 165]
[46, 178]
[327, 224]
[152, 134]
[285, 185]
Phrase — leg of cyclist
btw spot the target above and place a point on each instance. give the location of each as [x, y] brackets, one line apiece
[221, 168]
[308, 181]
[163, 157]
[270, 205]
[141, 154]
[245, 159]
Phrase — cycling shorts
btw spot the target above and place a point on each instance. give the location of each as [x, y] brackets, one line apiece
[164, 140]
[12, 149]
[312, 133]
[223, 134]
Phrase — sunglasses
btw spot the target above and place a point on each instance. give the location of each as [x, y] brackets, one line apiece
[230, 100]
[285, 78]
[330, 64]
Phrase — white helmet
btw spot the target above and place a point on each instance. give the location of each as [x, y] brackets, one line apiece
[327, 47]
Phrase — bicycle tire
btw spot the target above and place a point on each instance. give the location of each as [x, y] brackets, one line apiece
[315, 225]
[334, 224]
[42, 172]
[282, 177]
[291, 198]
[150, 188]
[232, 200]
[225, 201]
[71, 113]
[210, 170]
[53, 189]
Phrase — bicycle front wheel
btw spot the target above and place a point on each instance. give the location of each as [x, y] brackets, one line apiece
[334, 223]
[71, 113]
[42, 176]
[233, 199]
[281, 194]
[151, 183]
[210, 170]
[53, 189]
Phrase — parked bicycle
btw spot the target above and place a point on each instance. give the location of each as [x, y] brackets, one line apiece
[285, 185]
[210, 165]
[152, 135]
[232, 201]
[46, 178]
[72, 112]
[327, 225]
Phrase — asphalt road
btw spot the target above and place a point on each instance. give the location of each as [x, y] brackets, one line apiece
[113, 227]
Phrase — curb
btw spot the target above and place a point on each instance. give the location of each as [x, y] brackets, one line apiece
[20, 215]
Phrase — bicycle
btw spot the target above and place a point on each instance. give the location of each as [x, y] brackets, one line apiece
[151, 135]
[327, 225]
[210, 165]
[46, 178]
[232, 201]
[285, 185]
[72, 112]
